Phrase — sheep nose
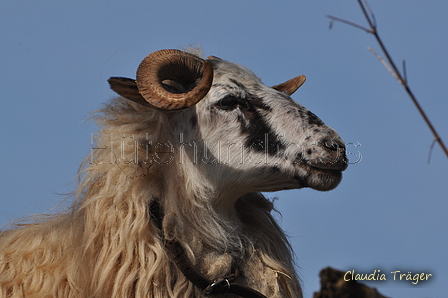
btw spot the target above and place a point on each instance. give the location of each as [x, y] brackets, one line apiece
[334, 154]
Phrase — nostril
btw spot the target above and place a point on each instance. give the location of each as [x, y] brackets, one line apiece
[331, 155]
[330, 146]
[336, 150]
[327, 154]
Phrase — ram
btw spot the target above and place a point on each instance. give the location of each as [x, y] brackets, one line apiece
[169, 201]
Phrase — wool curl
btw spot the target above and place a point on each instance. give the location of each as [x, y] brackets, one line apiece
[106, 244]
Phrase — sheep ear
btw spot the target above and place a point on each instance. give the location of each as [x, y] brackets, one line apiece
[291, 86]
[128, 89]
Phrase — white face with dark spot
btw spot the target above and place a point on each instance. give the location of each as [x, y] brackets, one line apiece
[250, 137]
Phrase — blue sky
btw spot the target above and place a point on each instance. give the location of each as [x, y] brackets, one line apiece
[388, 214]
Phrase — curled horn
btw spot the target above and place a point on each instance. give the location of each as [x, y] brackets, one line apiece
[194, 74]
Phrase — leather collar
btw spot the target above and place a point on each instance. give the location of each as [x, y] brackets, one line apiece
[216, 287]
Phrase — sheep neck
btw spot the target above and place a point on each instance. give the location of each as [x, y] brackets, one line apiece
[177, 254]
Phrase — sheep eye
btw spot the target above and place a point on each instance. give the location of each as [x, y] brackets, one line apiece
[228, 103]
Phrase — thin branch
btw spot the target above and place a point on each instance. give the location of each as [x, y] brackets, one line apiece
[430, 151]
[390, 66]
[370, 19]
[348, 23]
[404, 71]
[390, 70]
[372, 15]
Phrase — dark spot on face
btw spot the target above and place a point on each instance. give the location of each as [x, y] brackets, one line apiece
[193, 120]
[299, 158]
[313, 119]
[309, 151]
[259, 103]
[260, 136]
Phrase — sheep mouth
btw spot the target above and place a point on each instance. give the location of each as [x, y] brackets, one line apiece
[321, 177]
[328, 172]
[338, 165]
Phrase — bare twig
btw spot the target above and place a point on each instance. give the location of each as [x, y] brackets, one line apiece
[349, 23]
[372, 16]
[390, 70]
[430, 150]
[404, 71]
[390, 66]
